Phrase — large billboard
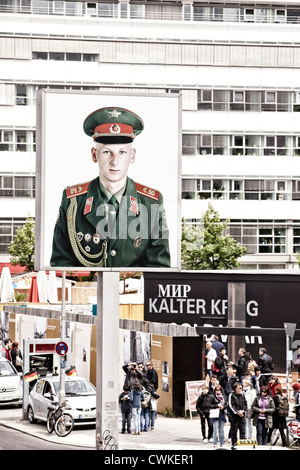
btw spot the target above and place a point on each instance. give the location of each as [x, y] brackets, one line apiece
[95, 149]
[200, 298]
[218, 300]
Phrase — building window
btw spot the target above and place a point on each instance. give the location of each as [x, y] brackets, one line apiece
[272, 240]
[8, 228]
[17, 186]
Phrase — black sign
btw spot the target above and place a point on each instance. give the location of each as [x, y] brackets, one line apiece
[198, 298]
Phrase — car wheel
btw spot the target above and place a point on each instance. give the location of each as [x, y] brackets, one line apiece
[30, 414]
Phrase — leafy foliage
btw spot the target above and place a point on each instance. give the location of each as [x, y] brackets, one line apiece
[21, 248]
[207, 247]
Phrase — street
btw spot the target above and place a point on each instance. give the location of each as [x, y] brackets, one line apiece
[170, 435]
[10, 439]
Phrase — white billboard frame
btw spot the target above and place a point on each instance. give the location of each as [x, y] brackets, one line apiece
[61, 140]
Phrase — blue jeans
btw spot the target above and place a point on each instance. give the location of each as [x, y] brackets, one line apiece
[152, 418]
[126, 420]
[218, 427]
[145, 419]
[262, 432]
[136, 415]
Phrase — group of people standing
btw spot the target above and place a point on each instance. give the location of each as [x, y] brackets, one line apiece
[139, 397]
[246, 393]
[10, 350]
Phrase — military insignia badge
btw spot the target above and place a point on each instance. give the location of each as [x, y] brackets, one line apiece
[87, 237]
[80, 236]
[133, 205]
[87, 249]
[115, 129]
[114, 113]
[137, 242]
[96, 239]
[88, 205]
[164, 218]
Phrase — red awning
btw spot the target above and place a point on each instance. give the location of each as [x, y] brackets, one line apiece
[13, 269]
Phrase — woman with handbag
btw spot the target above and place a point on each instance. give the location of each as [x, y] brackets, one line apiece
[16, 357]
[217, 414]
[263, 407]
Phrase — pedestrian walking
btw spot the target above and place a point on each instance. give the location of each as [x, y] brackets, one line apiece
[210, 356]
[16, 357]
[133, 374]
[229, 382]
[126, 409]
[7, 349]
[259, 380]
[216, 344]
[220, 364]
[280, 414]
[251, 363]
[250, 395]
[203, 408]
[238, 408]
[145, 409]
[263, 407]
[136, 397]
[218, 406]
[273, 384]
[265, 361]
[213, 383]
[296, 388]
[242, 365]
[151, 374]
[153, 407]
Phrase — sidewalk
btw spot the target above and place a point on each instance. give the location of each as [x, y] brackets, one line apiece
[169, 434]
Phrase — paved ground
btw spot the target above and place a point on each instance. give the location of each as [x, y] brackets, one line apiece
[169, 434]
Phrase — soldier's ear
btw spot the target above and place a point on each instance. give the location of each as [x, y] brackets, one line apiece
[133, 155]
[94, 155]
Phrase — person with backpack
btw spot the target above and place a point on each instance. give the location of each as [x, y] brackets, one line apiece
[280, 414]
[145, 409]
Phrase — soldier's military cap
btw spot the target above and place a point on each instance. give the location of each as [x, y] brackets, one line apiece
[113, 125]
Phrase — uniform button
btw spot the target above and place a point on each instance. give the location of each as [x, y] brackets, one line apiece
[113, 253]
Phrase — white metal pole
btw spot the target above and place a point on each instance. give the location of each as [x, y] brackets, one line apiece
[62, 393]
[107, 360]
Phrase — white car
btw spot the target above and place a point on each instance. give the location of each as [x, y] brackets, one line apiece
[11, 384]
[80, 398]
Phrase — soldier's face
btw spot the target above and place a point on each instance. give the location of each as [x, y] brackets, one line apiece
[113, 161]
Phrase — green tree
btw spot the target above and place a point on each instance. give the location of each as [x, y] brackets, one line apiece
[207, 247]
[21, 248]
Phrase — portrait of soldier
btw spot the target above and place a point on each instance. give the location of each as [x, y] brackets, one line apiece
[111, 221]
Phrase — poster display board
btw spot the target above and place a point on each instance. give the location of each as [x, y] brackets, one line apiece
[192, 391]
[146, 233]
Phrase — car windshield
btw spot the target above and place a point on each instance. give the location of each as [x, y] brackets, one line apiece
[6, 368]
[74, 388]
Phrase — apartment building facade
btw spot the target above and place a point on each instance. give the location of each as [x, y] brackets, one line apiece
[237, 66]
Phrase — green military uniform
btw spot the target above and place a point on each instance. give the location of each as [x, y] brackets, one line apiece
[84, 235]
[129, 230]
